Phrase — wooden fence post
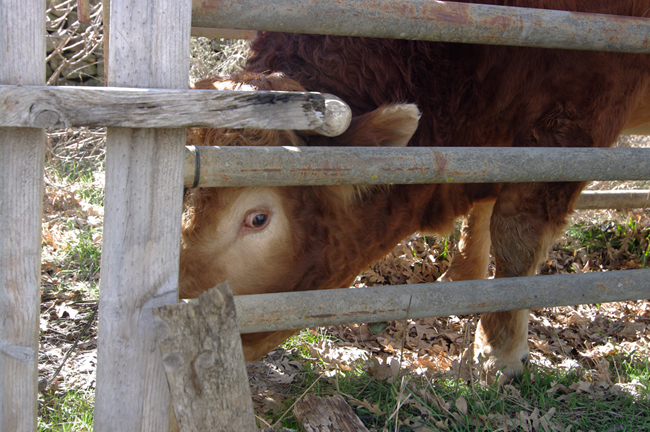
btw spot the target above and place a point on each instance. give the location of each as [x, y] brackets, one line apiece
[148, 47]
[22, 153]
[201, 349]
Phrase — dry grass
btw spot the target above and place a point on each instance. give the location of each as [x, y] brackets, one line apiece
[212, 57]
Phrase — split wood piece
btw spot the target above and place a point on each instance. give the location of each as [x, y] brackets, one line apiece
[332, 414]
[202, 355]
[45, 107]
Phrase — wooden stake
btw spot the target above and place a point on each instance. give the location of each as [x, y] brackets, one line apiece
[202, 354]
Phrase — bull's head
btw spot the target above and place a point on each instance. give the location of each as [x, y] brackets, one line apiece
[274, 239]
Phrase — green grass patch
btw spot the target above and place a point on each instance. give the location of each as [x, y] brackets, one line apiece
[68, 411]
[544, 399]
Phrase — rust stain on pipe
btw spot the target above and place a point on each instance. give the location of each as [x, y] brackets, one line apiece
[457, 15]
[441, 161]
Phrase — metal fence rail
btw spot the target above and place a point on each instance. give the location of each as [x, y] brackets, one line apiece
[613, 199]
[295, 166]
[292, 310]
[432, 21]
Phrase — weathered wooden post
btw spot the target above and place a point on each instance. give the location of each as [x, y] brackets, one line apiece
[22, 153]
[201, 350]
[148, 47]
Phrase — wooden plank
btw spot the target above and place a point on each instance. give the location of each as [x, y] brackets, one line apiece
[162, 108]
[332, 414]
[22, 153]
[148, 47]
[201, 349]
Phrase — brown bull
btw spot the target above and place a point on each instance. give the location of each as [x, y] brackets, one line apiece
[270, 239]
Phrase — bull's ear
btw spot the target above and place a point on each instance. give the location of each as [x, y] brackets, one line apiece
[387, 126]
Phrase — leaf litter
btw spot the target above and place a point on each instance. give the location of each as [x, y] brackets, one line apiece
[570, 338]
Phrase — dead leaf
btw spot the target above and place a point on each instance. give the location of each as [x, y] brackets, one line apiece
[461, 404]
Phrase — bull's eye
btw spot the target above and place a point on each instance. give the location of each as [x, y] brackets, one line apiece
[256, 220]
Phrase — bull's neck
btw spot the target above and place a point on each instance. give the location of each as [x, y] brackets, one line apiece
[339, 250]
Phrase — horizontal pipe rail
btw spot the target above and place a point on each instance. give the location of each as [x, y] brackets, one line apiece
[45, 106]
[595, 200]
[215, 33]
[431, 21]
[283, 311]
[296, 166]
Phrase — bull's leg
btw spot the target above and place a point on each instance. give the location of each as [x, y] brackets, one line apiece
[257, 345]
[525, 220]
[473, 255]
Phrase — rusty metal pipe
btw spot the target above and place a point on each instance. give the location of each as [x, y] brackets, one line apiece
[283, 311]
[296, 166]
[431, 21]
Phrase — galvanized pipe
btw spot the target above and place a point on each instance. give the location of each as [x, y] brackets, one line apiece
[431, 21]
[282, 311]
[614, 199]
[296, 166]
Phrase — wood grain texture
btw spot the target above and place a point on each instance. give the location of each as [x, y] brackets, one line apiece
[162, 108]
[22, 38]
[331, 414]
[201, 348]
[148, 47]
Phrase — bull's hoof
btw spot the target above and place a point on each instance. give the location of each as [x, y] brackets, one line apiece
[503, 369]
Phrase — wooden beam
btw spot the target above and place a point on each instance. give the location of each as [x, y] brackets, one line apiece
[22, 155]
[23, 106]
[202, 353]
[148, 47]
